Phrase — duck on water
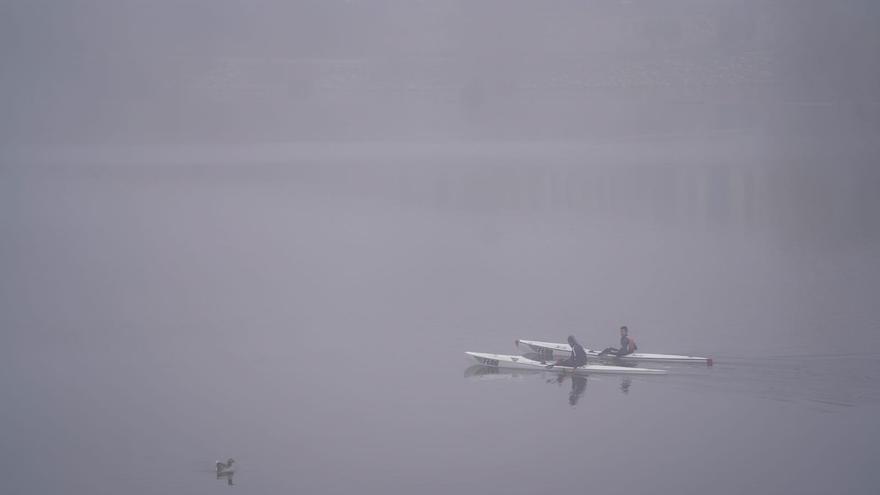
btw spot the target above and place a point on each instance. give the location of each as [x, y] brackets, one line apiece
[225, 467]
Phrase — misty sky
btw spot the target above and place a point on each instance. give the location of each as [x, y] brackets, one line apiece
[132, 71]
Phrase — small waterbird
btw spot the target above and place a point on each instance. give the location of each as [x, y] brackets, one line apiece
[225, 467]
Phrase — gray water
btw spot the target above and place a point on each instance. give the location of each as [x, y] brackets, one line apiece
[305, 311]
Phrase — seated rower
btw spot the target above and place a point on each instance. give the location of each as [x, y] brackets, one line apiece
[627, 345]
[578, 355]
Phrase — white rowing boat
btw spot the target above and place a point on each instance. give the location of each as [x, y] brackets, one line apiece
[551, 350]
[520, 362]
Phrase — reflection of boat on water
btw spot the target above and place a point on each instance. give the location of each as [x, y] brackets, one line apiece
[481, 372]
[578, 382]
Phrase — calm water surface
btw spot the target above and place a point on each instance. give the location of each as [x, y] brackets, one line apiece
[311, 321]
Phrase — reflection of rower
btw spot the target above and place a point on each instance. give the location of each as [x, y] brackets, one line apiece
[627, 345]
[624, 384]
[578, 386]
[578, 355]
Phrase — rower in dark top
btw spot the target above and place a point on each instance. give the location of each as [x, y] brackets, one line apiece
[627, 345]
[578, 355]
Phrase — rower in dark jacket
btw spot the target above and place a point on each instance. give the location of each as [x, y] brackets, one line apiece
[578, 355]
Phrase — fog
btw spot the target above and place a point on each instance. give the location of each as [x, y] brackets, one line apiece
[268, 230]
[89, 71]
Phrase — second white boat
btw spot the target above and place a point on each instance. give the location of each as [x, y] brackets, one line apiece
[520, 362]
[551, 350]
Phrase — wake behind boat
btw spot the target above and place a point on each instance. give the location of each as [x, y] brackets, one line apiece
[550, 350]
[520, 362]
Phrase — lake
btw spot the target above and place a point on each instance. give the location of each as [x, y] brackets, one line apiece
[305, 309]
